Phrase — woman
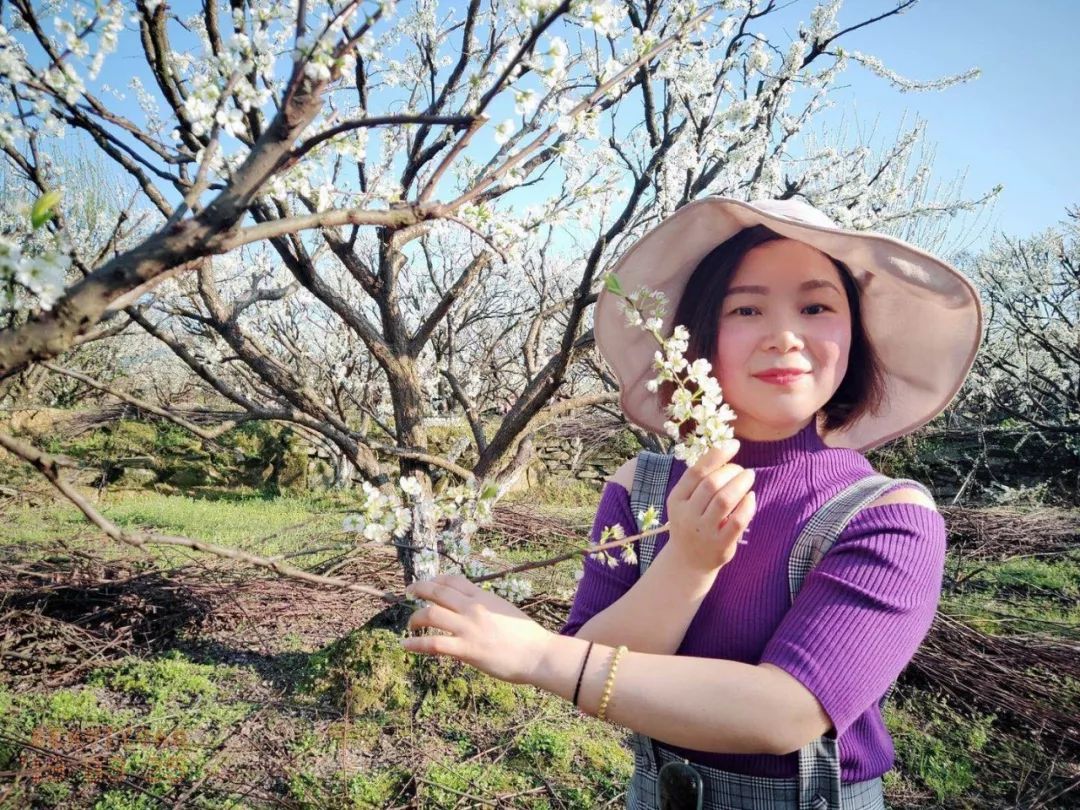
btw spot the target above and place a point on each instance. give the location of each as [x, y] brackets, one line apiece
[722, 669]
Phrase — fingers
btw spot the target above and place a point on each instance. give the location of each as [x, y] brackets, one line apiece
[713, 460]
[433, 645]
[445, 589]
[723, 499]
[716, 484]
[735, 523]
[439, 618]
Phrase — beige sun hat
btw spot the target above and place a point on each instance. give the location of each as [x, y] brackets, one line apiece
[923, 317]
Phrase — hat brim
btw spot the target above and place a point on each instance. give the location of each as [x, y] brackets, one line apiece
[923, 317]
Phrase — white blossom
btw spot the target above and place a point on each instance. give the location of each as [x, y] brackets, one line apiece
[603, 17]
[503, 131]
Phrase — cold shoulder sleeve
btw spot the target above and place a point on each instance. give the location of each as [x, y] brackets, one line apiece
[864, 609]
[601, 585]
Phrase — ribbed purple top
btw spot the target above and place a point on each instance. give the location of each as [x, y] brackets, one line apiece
[858, 620]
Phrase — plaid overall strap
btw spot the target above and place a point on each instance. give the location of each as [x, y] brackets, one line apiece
[649, 489]
[819, 760]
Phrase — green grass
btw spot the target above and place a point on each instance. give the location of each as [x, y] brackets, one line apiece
[561, 493]
[936, 747]
[247, 520]
[460, 719]
[1021, 595]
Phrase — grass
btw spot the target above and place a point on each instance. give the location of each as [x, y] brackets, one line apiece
[155, 724]
[360, 724]
[562, 494]
[434, 728]
[1020, 595]
[241, 521]
[936, 747]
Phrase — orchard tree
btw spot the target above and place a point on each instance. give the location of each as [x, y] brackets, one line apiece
[1029, 366]
[341, 200]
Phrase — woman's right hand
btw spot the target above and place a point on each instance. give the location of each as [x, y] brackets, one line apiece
[709, 509]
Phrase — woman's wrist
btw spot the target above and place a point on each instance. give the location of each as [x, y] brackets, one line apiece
[689, 573]
[558, 669]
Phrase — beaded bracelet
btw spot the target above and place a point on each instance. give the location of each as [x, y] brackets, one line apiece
[610, 681]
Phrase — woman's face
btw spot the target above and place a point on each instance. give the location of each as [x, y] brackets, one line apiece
[785, 308]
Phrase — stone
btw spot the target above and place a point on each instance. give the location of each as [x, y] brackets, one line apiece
[136, 477]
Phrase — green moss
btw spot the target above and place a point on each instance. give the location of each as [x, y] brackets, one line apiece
[171, 679]
[187, 475]
[936, 745]
[602, 758]
[161, 765]
[63, 710]
[293, 473]
[445, 781]
[53, 794]
[366, 670]
[499, 697]
[374, 789]
[546, 748]
[125, 800]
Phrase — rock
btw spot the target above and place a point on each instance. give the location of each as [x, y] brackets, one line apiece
[188, 475]
[136, 477]
[139, 462]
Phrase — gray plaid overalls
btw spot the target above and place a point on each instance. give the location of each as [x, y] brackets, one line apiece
[818, 786]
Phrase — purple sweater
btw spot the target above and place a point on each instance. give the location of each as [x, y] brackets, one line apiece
[858, 620]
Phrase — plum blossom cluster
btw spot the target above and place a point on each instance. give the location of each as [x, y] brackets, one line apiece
[697, 394]
[63, 79]
[647, 518]
[604, 17]
[696, 397]
[43, 276]
[38, 262]
[460, 509]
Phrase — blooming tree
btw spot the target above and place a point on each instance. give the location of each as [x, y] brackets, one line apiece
[1029, 366]
[345, 203]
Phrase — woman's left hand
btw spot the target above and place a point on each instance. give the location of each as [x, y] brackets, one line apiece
[487, 632]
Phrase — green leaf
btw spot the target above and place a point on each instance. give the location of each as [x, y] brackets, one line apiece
[611, 281]
[43, 209]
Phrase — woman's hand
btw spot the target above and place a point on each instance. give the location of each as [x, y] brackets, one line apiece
[487, 632]
[709, 509]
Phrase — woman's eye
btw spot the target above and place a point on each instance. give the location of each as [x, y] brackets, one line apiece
[750, 310]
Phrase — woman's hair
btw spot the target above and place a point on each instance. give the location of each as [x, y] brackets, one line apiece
[863, 387]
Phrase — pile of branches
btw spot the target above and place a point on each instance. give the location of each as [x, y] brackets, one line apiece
[107, 415]
[998, 533]
[594, 428]
[1020, 677]
[524, 526]
[62, 616]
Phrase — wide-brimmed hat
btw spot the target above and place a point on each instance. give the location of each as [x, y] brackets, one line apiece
[923, 317]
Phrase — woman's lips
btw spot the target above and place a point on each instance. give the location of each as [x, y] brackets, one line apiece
[780, 379]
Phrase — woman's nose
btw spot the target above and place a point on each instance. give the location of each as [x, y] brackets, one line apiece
[785, 340]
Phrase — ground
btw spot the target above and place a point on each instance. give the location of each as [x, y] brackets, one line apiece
[203, 685]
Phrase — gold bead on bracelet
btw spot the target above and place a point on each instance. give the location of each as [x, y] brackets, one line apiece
[610, 681]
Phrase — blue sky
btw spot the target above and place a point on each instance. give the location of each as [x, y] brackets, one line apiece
[1016, 124]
